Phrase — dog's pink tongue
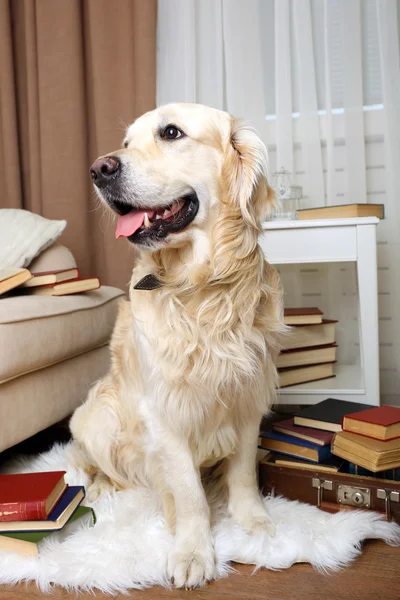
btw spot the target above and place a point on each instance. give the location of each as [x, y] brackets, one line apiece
[128, 224]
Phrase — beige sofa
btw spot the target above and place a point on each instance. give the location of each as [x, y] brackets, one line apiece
[51, 351]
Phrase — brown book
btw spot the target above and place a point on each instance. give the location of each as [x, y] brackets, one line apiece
[380, 422]
[49, 277]
[306, 374]
[307, 356]
[302, 316]
[366, 452]
[12, 277]
[304, 336]
[75, 286]
[342, 211]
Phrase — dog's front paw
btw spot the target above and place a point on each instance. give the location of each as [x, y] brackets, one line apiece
[100, 485]
[192, 562]
[253, 517]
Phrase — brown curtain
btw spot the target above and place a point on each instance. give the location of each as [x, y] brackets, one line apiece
[72, 73]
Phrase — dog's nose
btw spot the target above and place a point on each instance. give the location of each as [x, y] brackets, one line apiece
[103, 169]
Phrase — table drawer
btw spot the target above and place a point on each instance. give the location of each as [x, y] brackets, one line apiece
[317, 244]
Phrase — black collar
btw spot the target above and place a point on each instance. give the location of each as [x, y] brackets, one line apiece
[148, 282]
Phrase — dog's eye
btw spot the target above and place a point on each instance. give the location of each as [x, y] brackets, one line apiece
[171, 133]
[126, 144]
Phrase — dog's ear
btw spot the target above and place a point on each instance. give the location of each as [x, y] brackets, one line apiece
[245, 174]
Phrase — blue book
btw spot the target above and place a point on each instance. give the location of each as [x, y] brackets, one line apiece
[391, 474]
[291, 446]
[59, 516]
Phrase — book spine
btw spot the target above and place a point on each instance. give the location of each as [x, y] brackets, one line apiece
[324, 452]
[23, 511]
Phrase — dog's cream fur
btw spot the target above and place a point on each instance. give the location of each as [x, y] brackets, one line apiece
[192, 368]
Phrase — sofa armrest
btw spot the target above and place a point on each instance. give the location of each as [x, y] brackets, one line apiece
[55, 258]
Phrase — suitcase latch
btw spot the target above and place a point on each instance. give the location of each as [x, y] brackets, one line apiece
[354, 496]
[388, 496]
[321, 485]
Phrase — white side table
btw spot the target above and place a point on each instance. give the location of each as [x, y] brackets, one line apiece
[339, 240]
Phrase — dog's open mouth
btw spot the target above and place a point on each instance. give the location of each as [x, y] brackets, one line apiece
[141, 225]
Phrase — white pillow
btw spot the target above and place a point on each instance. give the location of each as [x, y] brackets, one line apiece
[23, 235]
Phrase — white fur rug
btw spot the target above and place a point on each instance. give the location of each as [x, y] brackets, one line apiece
[129, 545]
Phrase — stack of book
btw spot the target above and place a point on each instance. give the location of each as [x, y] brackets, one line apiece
[370, 441]
[304, 441]
[34, 506]
[49, 283]
[309, 350]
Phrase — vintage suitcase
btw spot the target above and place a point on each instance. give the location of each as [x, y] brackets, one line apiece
[331, 491]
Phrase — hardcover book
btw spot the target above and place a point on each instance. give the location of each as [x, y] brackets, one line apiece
[304, 336]
[305, 374]
[49, 277]
[328, 414]
[306, 356]
[286, 444]
[380, 422]
[29, 543]
[302, 316]
[30, 496]
[12, 277]
[366, 452]
[61, 513]
[315, 436]
[331, 465]
[342, 211]
[75, 286]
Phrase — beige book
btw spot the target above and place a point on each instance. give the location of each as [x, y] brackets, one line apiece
[369, 453]
[342, 211]
[304, 336]
[305, 374]
[307, 356]
[12, 277]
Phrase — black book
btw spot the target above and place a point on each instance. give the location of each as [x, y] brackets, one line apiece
[328, 414]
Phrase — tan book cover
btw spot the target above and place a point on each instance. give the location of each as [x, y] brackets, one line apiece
[342, 211]
[305, 336]
[12, 277]
[307, 356]
[75, 286]
[306, 374]
[375, 454]
[302, 316]
[49, 277]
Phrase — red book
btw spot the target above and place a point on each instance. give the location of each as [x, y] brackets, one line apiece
[379, 422]
[30, 496]
[315, 436]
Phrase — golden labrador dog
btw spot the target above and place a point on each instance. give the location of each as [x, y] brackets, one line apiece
[193, 351]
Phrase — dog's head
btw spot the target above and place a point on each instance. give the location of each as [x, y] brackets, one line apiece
[181, 167]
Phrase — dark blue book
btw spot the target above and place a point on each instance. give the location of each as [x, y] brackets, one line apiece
[59, 516]
[291, 446]
[391, 474]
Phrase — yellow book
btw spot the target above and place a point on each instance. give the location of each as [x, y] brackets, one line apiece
[12, 277]
[342, 211]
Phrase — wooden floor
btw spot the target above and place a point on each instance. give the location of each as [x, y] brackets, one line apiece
[373, 576]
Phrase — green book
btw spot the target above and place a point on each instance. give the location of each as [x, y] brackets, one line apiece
[28, 542]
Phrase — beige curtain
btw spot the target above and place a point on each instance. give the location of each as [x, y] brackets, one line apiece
[72, 72]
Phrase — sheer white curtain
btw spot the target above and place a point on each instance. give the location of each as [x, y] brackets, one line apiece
[320, 81]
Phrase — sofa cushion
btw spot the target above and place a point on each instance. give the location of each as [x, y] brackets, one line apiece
[24, 235]
[55, 258]
[40, 399]
[38, 331]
